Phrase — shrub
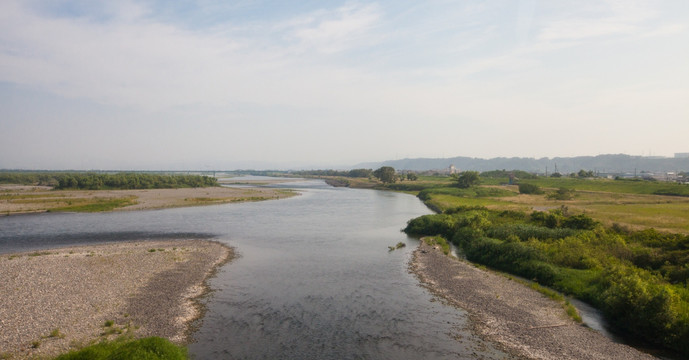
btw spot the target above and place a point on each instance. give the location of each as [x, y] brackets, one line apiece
[530, 189]
[547, 219]
[561, 194]
[581, 222]
[527, 231]
[439, 224]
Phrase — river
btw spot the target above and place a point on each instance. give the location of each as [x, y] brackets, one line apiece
[314, 278]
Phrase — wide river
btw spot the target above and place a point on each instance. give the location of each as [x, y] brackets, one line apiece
[313, 279]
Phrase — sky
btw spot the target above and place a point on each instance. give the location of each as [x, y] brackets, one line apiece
[201, 84]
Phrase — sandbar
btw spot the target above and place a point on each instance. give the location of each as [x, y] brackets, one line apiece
[53, 301]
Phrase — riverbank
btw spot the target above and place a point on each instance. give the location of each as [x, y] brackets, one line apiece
[19, 199]
[523, 321]
[58, 300]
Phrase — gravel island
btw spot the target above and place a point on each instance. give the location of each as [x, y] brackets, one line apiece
[53, 301]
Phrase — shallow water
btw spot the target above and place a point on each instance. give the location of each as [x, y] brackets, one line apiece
[314, 278]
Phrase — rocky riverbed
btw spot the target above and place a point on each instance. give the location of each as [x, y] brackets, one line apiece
[52, 301]
[521, 320]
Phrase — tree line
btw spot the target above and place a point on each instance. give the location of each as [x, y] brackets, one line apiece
[98, 181]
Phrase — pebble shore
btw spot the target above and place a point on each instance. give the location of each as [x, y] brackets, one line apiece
[53, 301]
[521, 320]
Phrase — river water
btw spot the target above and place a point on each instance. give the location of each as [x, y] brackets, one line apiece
[314, 278]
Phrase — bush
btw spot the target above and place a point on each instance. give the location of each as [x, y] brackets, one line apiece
[440, 224]
[530, 189]
[581, 222]
[561, 194]
[547, 219]
[527, 231]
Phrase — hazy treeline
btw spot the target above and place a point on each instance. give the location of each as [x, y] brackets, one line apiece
[355, 173]
[639, 279]
[99, 181]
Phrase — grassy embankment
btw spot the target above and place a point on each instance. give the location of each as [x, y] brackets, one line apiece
[599, 245]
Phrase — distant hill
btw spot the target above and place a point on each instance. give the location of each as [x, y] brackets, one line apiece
[611, 163]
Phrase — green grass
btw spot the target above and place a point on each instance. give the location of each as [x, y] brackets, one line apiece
[671, 216]
[95, 205]
[441, 202]
[152, 348]
[616, 186]
[439, 241]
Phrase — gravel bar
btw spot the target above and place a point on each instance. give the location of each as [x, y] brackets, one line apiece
[525, 322]
[53, 301]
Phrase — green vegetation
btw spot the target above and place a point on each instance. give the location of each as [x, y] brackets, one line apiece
[398, 246]
[468, 179]
[94, 205]
[152, 348]
[505, 175]
[386, 174]
[639, 279]
[356, 173]
[103, 181]
[561, 194]
[527, 188]
[56, 334]
[438, 241]
[627, 186]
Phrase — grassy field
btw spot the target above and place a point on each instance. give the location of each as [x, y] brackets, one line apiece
[632, 204]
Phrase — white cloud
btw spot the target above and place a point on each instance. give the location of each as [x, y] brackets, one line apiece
[599, 18]
[335, 31]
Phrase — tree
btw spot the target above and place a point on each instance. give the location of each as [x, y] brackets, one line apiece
[412, 177]
[529, 189]
[386, 174]
[468, 179]
[585, 174]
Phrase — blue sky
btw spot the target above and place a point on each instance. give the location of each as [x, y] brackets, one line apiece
[274, 84]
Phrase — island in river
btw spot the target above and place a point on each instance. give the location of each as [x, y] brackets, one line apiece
[18, 199]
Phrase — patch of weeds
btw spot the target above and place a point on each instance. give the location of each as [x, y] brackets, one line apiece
[39, 253]
[161, 249]
[55, 334]
[108, 323]
[398, 246]
[5, 356]
[35, 344]
[438, 241]
[152, 250]
[12, 257]
[572, 311]
[127, 348]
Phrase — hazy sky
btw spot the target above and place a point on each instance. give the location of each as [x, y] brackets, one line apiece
[265, 84]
